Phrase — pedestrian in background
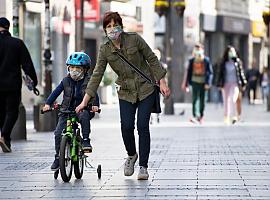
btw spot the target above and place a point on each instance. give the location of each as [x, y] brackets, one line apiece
[14, 56]
[264, 82]
[199, 77]
[158, 54]
[135, 94]
[253, 78]
[231, 78]
[73, 88]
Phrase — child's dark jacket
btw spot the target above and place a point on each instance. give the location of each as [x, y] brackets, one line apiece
[73, 93]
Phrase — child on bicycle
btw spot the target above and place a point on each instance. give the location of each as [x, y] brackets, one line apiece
[73, 86]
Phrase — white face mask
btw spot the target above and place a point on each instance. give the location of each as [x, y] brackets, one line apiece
[198, 54]
[232, 54]
[76, 75]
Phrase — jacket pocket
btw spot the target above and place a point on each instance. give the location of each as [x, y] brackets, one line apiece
[133, 55]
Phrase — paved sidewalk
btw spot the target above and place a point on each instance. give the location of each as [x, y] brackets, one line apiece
[187, 161]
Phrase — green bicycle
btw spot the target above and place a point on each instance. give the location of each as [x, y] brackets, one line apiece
[71, 149]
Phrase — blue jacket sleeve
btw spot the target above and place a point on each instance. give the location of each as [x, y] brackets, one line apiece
[53, 96]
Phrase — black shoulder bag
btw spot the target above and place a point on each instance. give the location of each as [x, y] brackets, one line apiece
[156, 106]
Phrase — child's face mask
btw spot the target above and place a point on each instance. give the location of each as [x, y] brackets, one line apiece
[76, 73]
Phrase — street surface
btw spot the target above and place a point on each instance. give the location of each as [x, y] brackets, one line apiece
[187, 161]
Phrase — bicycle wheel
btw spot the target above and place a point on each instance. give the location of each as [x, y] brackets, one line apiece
[79, 164]
[65, 161]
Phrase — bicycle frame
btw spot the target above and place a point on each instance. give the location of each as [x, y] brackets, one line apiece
[71, 132]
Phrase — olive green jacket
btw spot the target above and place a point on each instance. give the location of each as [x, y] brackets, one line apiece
[132, 86]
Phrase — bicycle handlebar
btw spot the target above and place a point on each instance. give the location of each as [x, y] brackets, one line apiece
[57, 107]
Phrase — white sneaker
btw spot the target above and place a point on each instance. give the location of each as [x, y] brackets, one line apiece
[129, 165]
[193, 120]
[143, 173]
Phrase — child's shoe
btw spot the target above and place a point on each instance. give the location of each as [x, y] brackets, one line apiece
[86, 145]
[55, 166]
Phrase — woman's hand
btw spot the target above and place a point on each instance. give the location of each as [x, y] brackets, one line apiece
[164, 89]
[46, 107]
[83, 104]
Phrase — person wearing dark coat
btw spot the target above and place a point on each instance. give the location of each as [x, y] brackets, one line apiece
[14, 56]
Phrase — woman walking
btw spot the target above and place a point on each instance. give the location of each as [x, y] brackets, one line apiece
[231, 78]
[135, 94]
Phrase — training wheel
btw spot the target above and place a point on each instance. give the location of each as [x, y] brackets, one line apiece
[99, 171]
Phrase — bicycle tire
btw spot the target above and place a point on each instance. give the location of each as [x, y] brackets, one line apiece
[65, 159]
[79, 164]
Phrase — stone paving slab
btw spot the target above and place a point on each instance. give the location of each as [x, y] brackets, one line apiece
[193, 162]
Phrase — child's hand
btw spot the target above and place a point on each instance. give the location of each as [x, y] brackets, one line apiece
[46, 107]
[95, 108]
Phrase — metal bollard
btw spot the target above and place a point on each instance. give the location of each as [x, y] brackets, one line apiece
[19, 129]
[44, 122]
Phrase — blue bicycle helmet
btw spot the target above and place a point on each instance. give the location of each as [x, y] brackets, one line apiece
[79, 59]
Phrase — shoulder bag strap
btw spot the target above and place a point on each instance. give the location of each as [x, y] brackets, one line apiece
[137, 70]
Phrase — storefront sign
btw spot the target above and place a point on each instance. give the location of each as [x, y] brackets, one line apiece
[258, 28]
[234, 25]
[91, 10]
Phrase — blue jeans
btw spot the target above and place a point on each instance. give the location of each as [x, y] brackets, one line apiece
[127, 116]
[84, 119]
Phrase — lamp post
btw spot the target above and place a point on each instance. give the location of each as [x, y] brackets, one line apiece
[173, 10]
[48, 121]
[80, 27]
[47, 51]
